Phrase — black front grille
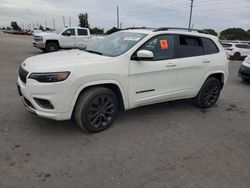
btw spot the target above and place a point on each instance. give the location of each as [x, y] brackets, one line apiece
[23, 74]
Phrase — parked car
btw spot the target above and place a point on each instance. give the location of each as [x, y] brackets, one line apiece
[125, 70]
[71, 37]
[244, 71]
[237, 51]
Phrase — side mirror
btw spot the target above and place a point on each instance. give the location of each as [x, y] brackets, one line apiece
[68, 33]
[144, 55]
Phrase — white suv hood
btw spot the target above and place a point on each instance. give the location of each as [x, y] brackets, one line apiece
[61, 61]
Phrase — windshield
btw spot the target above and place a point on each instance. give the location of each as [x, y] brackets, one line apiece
[115, 44]
[58, 31]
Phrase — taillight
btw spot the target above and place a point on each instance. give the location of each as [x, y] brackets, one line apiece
[230, 49]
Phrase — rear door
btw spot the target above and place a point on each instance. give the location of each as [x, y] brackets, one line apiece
[82, 38]
[192, 64]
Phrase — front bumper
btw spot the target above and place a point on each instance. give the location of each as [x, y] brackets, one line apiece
[39, 45]
[55, 93]
[244, 72]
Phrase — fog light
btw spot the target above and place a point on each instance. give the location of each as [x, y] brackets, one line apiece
[44, 103]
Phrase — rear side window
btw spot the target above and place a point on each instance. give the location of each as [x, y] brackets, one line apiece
[241, 46]
[82, 32]
[189, 46]
[209, 46]
[162, 47]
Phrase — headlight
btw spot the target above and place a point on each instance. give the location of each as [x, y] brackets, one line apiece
[247, 59]
[50, 77]
[38, 38]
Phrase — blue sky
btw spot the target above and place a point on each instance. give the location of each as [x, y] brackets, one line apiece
[216, 14]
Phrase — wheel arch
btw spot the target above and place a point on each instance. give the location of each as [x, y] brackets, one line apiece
[112, 85]
[54, 41]
[218, 75]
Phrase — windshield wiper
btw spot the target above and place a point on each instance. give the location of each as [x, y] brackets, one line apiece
[94, 52]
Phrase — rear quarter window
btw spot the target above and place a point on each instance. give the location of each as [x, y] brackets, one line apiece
[189, 46]
[209, 46]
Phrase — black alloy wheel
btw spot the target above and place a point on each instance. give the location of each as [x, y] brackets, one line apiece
[96, 109]
[209, 93]
[101, 111]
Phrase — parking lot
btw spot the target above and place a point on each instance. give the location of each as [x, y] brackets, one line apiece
[173, 144]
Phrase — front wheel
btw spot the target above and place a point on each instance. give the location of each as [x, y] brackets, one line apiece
[51, 47]
[209, 93]
[96, 109]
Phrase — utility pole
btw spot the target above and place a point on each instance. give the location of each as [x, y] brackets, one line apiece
[190, 17]
[117, 11]
[69, 21]
[63, 21]
[54, 27]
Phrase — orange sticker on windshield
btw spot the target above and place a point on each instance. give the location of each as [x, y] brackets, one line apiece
[164, 44]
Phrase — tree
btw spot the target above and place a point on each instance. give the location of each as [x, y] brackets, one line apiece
[83, 20]
[97, 30]
[15, 26]
[112, 30]
[48, 29]
[234, 34]
[211, 32]
[41, 28]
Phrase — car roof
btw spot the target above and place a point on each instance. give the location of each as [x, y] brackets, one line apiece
[170, 31]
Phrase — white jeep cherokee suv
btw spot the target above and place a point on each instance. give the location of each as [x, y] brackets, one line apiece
[125, 70]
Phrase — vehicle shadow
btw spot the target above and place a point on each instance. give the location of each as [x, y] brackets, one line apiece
[129, 117]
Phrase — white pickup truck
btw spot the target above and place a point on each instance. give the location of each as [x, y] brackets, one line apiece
[70, 37]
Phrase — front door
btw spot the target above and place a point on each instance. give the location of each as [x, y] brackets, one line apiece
[68, 38]
[153, 80]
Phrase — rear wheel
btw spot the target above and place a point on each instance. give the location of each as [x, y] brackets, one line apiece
[209, 93]
[51, 47]
[237, 56]
[96, 109]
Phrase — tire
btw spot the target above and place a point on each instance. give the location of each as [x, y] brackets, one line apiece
[51, 47]
[209, 93]
[237, 56]
[96, 109]
[43, 49]
[245, 79]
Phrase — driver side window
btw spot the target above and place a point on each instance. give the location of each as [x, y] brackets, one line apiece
[161, 46]
[72, 32]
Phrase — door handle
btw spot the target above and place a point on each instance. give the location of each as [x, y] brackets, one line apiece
[171, 65]
[206, 61]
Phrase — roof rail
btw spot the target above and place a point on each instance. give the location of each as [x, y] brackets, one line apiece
[179, 28]
[137, 28]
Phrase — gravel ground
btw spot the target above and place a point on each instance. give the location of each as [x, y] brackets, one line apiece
[173, 144]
